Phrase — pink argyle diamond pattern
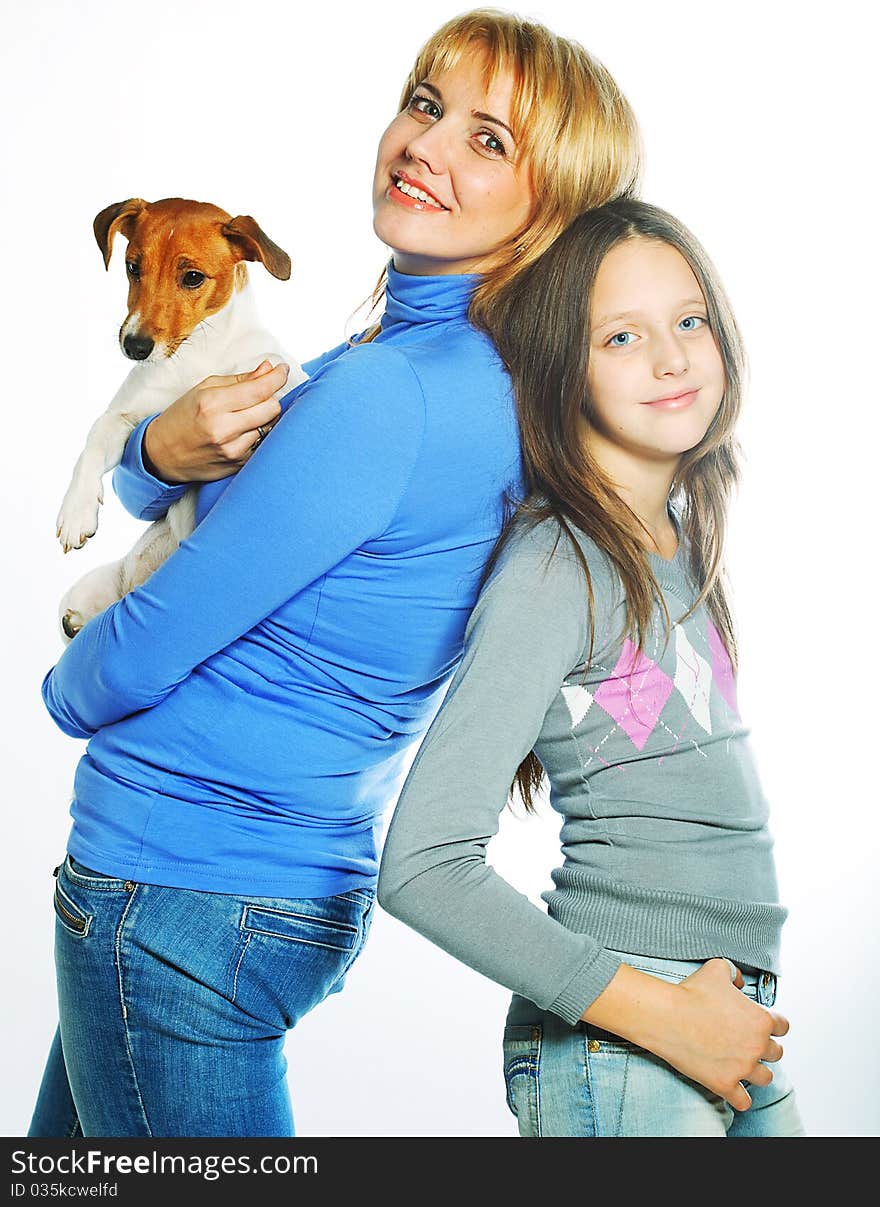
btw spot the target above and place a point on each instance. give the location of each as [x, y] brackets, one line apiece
[635, 694]
[722, 671]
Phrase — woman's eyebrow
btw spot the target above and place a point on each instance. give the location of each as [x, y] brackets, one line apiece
[487, 117]
[484, 117]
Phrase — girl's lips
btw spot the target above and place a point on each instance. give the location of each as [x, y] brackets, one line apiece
[675, 402]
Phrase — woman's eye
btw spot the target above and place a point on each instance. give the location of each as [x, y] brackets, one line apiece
[424, 104]
[692, 323]
[493, 143]
[193, 279]
[133, 270]
[621, 339]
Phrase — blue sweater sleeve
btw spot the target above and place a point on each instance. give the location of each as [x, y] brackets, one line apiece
[147, 497]
[328, 478]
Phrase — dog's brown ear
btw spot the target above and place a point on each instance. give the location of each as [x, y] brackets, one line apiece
[119, 216]
[252, 244]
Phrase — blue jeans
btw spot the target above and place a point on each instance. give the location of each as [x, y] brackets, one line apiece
[174, 1004]
[582, 1081]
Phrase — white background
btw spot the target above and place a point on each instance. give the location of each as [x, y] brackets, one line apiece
[754, 118]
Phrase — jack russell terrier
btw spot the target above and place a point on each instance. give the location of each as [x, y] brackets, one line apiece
[190, 315]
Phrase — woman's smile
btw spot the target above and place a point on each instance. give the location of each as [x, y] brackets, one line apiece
[407, 191]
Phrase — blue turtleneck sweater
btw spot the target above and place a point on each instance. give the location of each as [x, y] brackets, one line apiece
[250, 707]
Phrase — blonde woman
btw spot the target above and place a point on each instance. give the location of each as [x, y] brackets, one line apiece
[249, 708]
[601, 651]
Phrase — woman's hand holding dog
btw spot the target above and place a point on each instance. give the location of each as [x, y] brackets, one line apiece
[210, 431]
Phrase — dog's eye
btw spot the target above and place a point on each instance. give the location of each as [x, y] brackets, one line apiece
[192, 279]
[133, 270]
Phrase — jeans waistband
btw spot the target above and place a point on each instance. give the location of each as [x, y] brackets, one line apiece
[757, 984]
[758, 980]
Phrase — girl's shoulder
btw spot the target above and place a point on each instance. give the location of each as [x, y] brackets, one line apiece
[537, 594]
[548, 556]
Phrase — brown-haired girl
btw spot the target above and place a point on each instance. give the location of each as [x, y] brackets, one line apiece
[601, 651]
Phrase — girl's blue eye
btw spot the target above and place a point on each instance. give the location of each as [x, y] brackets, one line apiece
[621, 340]
[424, 104]
[694, 321]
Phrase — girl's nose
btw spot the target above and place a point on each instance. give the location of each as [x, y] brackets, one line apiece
[671, 358]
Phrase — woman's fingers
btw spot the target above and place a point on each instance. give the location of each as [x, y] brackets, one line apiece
[235, 409]
[247, 422]
[231, 379]
[248, 389]
[255, 439]
[239, 392]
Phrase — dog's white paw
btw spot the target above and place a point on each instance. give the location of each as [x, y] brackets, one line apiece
[95, 591]
[77, 519]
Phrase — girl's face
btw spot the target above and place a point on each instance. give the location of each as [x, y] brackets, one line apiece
[655, 373]
[450, 188]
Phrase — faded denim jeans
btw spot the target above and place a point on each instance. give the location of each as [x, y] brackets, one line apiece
[174, 1004]
[582, 1081]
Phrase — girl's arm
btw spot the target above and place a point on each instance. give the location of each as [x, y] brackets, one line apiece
[328, 479]
[526, 632]
[198, 438]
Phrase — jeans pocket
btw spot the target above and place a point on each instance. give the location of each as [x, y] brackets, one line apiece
[294, 952]
[365, 901]
[72, 917]
[522, 1066]
[300, 928]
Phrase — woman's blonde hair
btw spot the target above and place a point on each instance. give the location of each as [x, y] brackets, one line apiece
[574, 128]
[541, 328]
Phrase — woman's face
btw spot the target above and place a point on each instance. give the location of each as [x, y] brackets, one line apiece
[450, 188]
[655, 373]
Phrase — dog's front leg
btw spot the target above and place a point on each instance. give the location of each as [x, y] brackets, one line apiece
[78, 517]
[147, 389]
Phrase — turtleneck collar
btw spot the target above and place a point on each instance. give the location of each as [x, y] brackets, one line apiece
[411, 299]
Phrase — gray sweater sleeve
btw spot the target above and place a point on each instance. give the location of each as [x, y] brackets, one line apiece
[528, 629]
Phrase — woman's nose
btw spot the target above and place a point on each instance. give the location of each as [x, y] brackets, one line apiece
[429, 147]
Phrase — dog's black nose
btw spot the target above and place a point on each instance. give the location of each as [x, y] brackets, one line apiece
[137, 347]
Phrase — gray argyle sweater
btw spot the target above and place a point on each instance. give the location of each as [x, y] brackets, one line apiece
[664, 836]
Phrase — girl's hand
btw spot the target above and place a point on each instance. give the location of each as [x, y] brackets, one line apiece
[210, 431]
[723, 1035]
[704, 1026]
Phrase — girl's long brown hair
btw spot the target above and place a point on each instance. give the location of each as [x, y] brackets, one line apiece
[541, 326]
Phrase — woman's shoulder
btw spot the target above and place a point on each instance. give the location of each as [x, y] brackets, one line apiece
[365, 385]
[364, 360]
